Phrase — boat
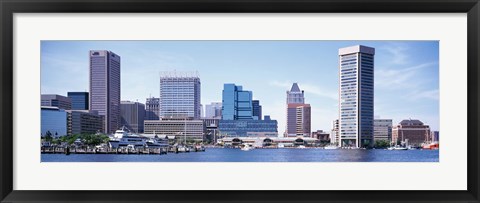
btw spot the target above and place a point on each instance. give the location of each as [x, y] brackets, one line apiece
[123, 138]
[246, 147]
[398, 147]
[301, 147]
[433, 145]
[281, 145]
[331, 147]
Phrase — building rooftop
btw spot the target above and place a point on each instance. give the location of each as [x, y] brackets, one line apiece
[295, 88]
[411, 122]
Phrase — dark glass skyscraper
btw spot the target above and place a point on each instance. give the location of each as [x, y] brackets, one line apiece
[105, 88]
[79, 100]
[356, 96]
[257, 110]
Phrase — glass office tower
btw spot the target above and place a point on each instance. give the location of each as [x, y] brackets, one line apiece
[356, 65]
[236, 103]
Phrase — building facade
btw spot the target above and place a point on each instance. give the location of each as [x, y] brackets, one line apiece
[257, 110]
[334, 134]
[180, 95]
[411, 132]
[213, 110]
[247, 127]
[321, 136]
[55, 100]
[356, 66]
[211, 129]
[133, 115]
[298, 113]
[53, 121]
[152, 109]
[105, 88]
[236, 103]
[79, 100]
[83, 122]
[382, 129]
[181, 129]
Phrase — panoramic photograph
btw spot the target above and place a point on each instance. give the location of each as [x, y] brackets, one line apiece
[239, 101]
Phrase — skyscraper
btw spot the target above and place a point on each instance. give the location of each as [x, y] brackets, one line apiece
[105, 88]
[152, 109]
[133, 115]
[179, 95]
[298, 113]
[295, 96]
[356, 65]
[79, 100]
[236, 103]
[238, 114]
[257, 109]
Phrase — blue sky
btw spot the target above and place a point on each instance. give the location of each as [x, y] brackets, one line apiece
[406, 73]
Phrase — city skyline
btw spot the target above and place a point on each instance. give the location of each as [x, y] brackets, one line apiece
[409, 69]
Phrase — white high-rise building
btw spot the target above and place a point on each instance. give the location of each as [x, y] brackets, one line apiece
[180, 95]
[356, 66]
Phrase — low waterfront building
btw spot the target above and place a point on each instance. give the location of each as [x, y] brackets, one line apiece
[83, 122]
[268, 141]
[133, 115]
[211, 129]
[321, 136]
[411, 132]
[53, 121]
[56, 100]
[191, 129]
[246, 127]
[382, 129]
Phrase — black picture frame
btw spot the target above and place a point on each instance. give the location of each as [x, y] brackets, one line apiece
[10, 7]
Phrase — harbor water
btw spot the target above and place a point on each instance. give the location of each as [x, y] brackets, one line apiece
[260, 155]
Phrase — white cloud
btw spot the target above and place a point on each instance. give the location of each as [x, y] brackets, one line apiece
[426, 94]
[398, 53]
[400, 78]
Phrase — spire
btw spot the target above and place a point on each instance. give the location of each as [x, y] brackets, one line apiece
[295, 88]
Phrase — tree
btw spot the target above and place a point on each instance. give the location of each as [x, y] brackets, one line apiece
[48, 136]
[381, 144]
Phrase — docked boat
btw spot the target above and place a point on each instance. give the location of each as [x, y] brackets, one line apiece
[397, 148]
[331, 147]
[246, 147]
[122, 138]
[301, 147]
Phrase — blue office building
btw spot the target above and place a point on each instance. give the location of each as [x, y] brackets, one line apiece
[236, 103]
[79, 100]
[53, 121]
[241, 116]
[246, 128]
